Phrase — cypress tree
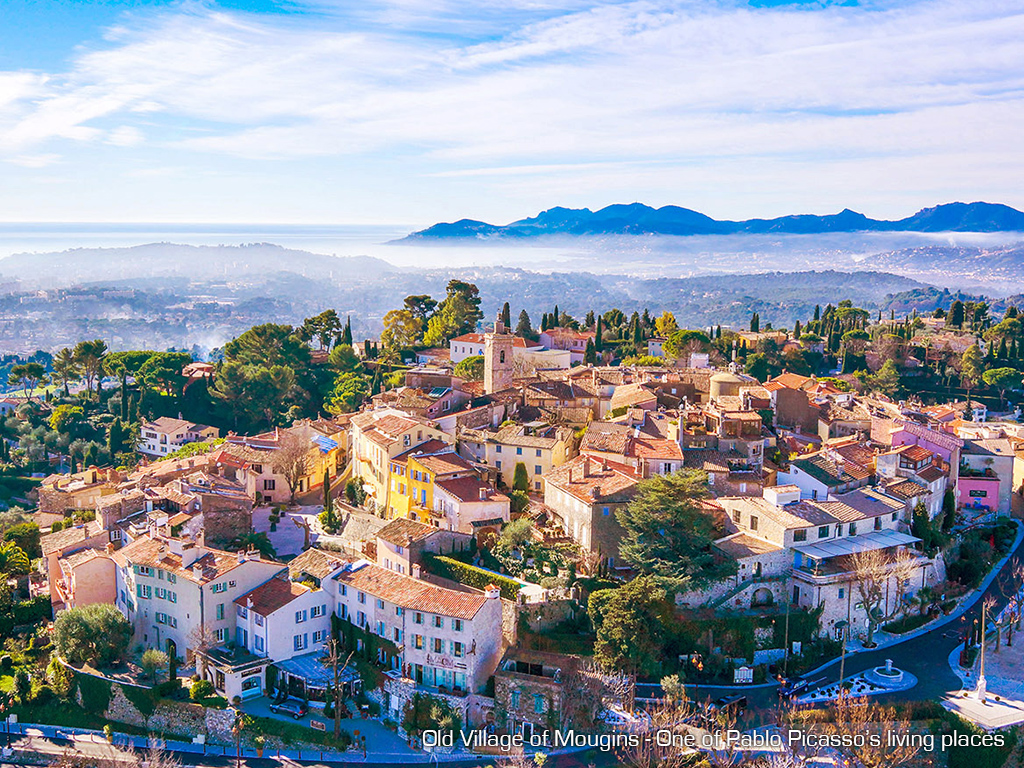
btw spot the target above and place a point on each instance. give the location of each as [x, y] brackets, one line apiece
[506, 316]
[555, 317]
[796, 330]
[817, 312]
[590, 354]
[1003, 353]
[346, 335]
[598, 335]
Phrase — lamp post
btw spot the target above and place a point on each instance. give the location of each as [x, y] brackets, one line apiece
[844, 628]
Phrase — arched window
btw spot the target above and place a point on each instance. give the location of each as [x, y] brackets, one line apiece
[501, 356]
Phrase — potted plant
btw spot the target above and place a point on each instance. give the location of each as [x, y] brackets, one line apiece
[108, 731]
[259, 741]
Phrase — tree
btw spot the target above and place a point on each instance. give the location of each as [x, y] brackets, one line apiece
[255, 542]
[887, 380]
[506, 316]
[327, 517]
[755, 323]
[686, 342]
[851, 723]
[524, 327]
[25, 535]
[13, 559]
[28, 376]
[96, 634]
[421, 306]
[90, 356]
[402, 329]
[1002, 379]
[64, 419]
[590, 353]
[667, 533]
[424, 712]
[346, 334]
[153, 660]
[163, 372]
[321, 328]
[972, 366]
[666, 324]
[873, 571]
[350, 389]
[470, 368]
[629, 624]
[22, 685]
[268, 345]
[457, 314]
[200, 690]
[332, 659]
[66, 368]
[956, 314]
[292, 459]
[521, 478]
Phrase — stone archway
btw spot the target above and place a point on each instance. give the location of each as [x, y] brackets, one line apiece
[762, 597]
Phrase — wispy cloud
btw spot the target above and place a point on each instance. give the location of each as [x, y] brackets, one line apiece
[617, 95]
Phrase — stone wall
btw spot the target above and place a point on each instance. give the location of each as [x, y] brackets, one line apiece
[509, 622]
[547, 615]
[175, 718]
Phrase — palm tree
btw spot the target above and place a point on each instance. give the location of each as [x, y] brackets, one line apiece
[255, 541]
[66, 368]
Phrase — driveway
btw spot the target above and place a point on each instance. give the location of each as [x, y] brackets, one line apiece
[378, 738]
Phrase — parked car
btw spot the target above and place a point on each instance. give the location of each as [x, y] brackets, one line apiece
[292, 707]
[795, 686]
[735, 705]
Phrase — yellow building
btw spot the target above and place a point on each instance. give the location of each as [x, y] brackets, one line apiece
[414, 473]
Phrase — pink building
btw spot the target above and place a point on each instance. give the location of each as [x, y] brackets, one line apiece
[979, 493]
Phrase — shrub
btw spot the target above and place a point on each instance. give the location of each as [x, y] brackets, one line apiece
[43, 695]
[470, 575]
[94, 634]
[202, 689]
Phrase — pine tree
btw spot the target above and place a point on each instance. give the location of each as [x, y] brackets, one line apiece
[524, 328]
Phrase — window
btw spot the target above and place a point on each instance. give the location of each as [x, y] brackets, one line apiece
[361, 619]
[318, 636]
[497, 449]
[417, 641]
[497, 465]
[269, 484]
[144, 591]
[300, 616]
[172, 579]
[438, 645]
[800, 534]
[398, 635]
[878, 523]
[514, 700]
[538, 453]
[537, 469]
[823, 532]
[895, 516]
[439, 622]
[380, 604]
[842, 593]
[399, 611]
[380, 629]
[839, 530]
[258, 643]
[258, 619]
[344, 590]
[362, 597]
[299, 642]
[217, 588]
[538, 703]
[606, 511]
[220, 635]
[220, 611]
[317, 610]
[853, 529]
[735, 515]
[753, 522]
[417, 618]
[519, 451]
[143, 570]
[257, 468]
[458, 649]
[457, 625]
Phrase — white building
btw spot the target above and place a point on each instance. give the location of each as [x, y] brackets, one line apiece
[166, 435]
[472, 345]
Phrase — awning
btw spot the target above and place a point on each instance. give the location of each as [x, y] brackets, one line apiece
[310, 668]
[853, 544]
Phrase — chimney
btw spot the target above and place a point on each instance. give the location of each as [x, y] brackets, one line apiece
[241, 555]
[595, 491]
[109, 547]
[197, 570]
[585, 464]
[483, 493]
[491, 592]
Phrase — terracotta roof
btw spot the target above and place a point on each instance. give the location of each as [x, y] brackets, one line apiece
[605, 480]
[444, 463]
[317, 563]
[411, 593]
[60, 540]
[789, 381]
[272, 595]
[710, 460]
[82, 556]
[167, 424]
[824, 469]
[931, 473]
[631, 394]
[430, 446]
[478, 338]
[800, 514]
[157, 553]
[402, 532]
[605, 437]
[906, 489]
[740, 545]
[869, 502]
[644, 447]
[468, 489]
[916, 452]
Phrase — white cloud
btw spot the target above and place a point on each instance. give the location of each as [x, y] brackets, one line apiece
[610, 95]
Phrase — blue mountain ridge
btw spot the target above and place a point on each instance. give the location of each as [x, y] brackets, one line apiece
[640, 219]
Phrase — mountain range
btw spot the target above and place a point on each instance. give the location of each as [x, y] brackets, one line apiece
[640, 219]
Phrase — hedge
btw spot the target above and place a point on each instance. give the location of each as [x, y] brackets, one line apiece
[470, 575]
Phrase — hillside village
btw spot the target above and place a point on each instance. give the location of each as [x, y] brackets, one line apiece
[515, 526]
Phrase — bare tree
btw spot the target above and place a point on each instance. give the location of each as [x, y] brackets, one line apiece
[111, 756]
[293, 460]
[659, 738]
[874, 570]
[589, 688]
[201, 639]
[333, 657]
[855, 718]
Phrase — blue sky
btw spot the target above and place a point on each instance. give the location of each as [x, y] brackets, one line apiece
[414, 111]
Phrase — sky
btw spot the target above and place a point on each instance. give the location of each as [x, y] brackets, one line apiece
[417, 111]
